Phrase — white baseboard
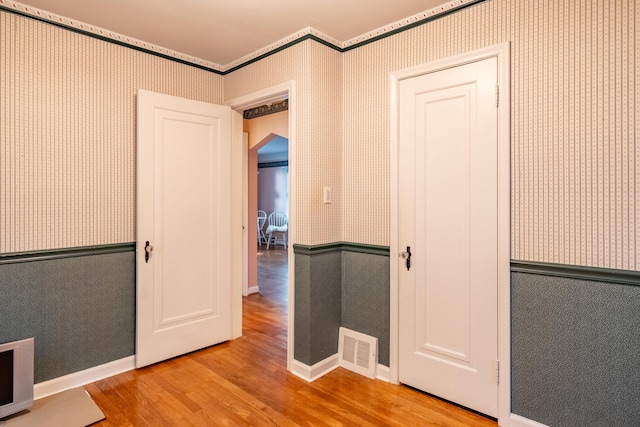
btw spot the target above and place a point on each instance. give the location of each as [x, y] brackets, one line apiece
[518, 421]
[80, 378]
[253, 290]
[383, 373]
[312, 373]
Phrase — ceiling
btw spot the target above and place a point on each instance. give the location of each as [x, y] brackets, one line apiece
[221, 32]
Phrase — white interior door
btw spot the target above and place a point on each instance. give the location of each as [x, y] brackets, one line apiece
[184, 200]
[447, 216]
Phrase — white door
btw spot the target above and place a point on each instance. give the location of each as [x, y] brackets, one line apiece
[184, 199]
[447, 216]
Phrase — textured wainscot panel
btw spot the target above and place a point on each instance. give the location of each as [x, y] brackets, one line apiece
[575, 351]
[80, 310]
[317, 305]
[365, 297]
[340, 284]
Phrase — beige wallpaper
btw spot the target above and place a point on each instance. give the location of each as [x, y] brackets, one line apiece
[575, 123]
[67, 133]
[67, 128]
[575, 82]
[317, 72]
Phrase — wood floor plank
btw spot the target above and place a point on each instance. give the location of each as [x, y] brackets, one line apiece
[244, 382]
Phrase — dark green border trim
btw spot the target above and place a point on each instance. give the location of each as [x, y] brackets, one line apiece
[627, 277]
[258, 58]
[316, 249]
[410, 26]
[108, 40]
[365, 249]
[280, 49]
[12, 258]
[341, 246]
[273, 164]
[356, 45]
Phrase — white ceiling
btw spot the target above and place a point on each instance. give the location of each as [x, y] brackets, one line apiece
[224, 31]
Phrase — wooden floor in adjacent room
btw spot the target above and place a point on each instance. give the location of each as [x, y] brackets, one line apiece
[245, 381]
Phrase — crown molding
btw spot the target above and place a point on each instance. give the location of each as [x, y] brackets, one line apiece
[407, 23]
[106, 35]
[290, 40]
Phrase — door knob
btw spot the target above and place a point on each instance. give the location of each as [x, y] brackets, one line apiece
[407, 257]
[147, 251]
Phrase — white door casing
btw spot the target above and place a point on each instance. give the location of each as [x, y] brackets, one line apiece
[450, 311]
[183, 211]
[448, 329]
[286, 90]
[244, 167]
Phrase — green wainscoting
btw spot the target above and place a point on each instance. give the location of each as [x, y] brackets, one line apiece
[78, 304]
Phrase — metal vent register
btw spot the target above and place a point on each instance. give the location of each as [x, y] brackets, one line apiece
[358, 352]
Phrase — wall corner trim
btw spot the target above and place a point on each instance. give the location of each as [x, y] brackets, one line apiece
[383, 373]
[596, 274]
[518, 421]
[312, 373]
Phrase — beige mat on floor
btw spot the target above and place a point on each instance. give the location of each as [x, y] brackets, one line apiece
[71, 408]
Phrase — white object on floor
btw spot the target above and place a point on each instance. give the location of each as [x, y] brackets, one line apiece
[70, 408]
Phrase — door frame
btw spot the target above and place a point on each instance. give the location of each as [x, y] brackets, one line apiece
[286, 90]
[501, 52]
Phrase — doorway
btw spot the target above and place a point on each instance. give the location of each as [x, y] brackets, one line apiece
[273, 94]
[273, 205]
[268, 188]
[430, 343]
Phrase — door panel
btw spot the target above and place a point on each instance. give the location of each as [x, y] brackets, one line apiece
[448, 216]
[183, 301]
[445, 228]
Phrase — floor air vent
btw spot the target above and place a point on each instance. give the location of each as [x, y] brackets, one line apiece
[358, 352]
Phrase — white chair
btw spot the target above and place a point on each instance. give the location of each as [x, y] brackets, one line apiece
[278, 223]
[262, 218]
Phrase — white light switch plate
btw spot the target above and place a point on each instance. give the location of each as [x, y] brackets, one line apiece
[326, 195]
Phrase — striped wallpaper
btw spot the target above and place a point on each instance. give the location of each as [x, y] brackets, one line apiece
[317, 71]
[323, 165]
[575, 124]
[67, 128]
[68, 133]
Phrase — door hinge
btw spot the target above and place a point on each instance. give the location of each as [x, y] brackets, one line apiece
[497, 371]
[497, 96]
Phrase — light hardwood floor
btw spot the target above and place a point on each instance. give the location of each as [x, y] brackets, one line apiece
[245, 382]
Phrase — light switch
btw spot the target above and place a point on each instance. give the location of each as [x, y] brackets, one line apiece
[326, 195]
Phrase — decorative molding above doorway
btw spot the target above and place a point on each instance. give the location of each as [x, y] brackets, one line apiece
[264, 110]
